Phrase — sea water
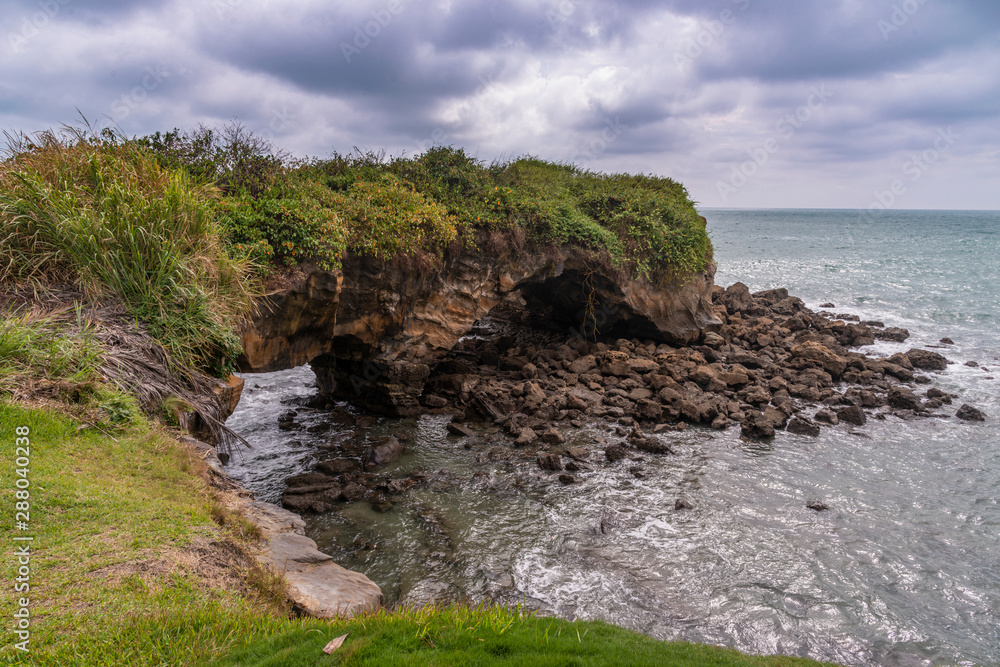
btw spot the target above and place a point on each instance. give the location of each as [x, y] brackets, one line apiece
[904, 569]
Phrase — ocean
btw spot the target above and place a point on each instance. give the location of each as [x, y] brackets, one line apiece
[904, 569]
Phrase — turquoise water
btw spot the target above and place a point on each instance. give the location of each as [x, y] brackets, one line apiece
[903, 570]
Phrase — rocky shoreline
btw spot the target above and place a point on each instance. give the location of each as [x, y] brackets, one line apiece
[514, 385]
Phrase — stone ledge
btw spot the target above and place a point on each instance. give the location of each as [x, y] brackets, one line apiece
[316, 585]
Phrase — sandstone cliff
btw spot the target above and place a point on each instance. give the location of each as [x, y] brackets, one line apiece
[373, 331]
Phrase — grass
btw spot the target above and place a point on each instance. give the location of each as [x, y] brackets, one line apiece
[114, 579]
[482, 635]
[130, 566]
[103, 215]
[182, 228]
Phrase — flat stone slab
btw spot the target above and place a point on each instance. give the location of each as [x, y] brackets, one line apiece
[316, 585]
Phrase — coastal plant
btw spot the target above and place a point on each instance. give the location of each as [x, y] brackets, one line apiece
[105, 217]
[387, 218]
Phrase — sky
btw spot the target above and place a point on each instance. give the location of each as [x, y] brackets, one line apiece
[750, 103]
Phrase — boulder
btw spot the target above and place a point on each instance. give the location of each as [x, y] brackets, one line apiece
[903, 399]
[525, 437]
[969, 413]
[459, 430]
[614, 363]
[827, 416]
[852, 415]
[647, 443]
[737, 298]
[316, 585]
[822, 355]
[927, 360]
[382, 452]
[550, 462]
[583, 364]
[755, 426]
[614, 453]
[802, 426]
[893, 334]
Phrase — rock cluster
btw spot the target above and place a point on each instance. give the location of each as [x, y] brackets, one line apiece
[514, 386]
[774, 364]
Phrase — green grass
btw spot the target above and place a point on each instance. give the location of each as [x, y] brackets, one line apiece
[103, 215]
[106, 510]
[482, 635]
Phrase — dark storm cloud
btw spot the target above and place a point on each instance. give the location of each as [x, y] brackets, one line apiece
[689, 85]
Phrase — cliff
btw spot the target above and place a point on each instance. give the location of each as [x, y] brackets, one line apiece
[373, 331]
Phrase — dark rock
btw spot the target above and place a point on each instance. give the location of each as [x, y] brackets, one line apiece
[578, 453]
[755, 426]
[927, 360]
[817, 506]
[499, 453]
[525, 437]
[903, 398]
[969, 413]
[802, 426]
[567, 479]
[553, 437]
[614, 453]
[382, 452]
[936, 394]
[336, 466]
[972, 364]
[551, 462]
[434, 401]
[947, 341]
[894, 334]
[721, 422]
[852, 415]
[460, 430]
[737, 298]
[309, 479]
[827, 305]
[776, 417]
[827, 416]
[647, 443]
[354, 491]
[681, 504]
[822, 355]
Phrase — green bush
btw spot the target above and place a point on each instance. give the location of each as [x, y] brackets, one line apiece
[387, 218]
[107, 217]
[296, 222]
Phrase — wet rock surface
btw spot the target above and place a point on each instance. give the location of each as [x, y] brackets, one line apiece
[516, 386]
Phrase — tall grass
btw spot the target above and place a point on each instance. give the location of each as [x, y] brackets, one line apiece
[104, 215]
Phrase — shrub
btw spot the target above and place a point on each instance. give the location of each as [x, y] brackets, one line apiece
[106, 216]
[388, 217]
[290, 224]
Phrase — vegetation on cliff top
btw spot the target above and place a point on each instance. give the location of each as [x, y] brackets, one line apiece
[180, 228]
[283, 211]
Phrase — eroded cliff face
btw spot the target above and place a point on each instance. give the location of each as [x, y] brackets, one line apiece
[374, 331]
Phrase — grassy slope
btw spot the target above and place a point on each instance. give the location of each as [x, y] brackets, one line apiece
[136, 496]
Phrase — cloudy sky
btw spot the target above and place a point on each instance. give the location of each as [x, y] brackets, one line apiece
[750, 103]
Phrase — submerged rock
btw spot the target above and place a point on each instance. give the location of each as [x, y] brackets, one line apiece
[969, 413]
